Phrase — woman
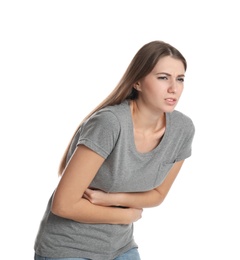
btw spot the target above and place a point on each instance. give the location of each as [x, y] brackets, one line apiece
[122, 158]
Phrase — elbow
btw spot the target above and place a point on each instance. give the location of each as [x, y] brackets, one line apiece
[67, 209]
[158, 203]
[61, 209]
[159, 199]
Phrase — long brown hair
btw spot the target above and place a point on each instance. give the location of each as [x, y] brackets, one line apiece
[141, 65]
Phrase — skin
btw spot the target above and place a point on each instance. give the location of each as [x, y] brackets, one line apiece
[68, 201]
[159, 93]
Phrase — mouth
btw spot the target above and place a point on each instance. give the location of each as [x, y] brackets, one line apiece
[171, 101]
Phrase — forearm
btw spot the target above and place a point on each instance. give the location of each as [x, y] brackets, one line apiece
[139, 200]
[86, 212]
[146, 199]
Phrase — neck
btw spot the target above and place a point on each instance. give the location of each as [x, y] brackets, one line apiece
[145, 120]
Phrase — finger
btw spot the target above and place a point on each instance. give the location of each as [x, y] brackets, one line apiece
[85, 196]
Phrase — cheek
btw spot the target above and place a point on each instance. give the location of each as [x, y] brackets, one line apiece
[181, 88]
[153, 87]
[151, 91]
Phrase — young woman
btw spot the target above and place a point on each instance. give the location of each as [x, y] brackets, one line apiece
[122, 158]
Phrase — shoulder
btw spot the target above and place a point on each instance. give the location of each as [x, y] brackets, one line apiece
[181, 120]
[115, 113]
[118, 110]
[110, 116]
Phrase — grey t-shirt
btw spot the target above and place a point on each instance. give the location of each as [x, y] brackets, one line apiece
[109, 132]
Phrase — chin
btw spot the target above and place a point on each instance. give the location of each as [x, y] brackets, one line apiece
[169, 109]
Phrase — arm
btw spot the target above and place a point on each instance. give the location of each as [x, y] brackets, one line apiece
[147, 199]
[68, 201]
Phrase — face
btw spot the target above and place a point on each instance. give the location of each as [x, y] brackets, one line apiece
[162, 87]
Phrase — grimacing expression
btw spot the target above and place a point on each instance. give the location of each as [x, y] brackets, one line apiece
[161, 89]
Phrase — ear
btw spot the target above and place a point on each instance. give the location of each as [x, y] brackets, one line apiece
[137, 86]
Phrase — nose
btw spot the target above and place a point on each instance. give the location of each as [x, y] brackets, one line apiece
[172, 87]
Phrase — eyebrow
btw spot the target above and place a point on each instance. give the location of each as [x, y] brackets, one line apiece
[165, 73]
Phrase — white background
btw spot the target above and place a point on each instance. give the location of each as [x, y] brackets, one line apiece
[59, 59]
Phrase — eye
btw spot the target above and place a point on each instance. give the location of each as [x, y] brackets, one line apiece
[181, 79]
[163, 78]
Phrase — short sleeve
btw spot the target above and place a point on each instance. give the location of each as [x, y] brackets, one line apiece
[186, 147]
[100, 132]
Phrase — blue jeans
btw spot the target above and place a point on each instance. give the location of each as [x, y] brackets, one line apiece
[132, 254]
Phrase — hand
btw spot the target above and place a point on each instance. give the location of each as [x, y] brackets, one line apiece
[136, 214]
[133, 214]
[101, 198]
[98, 197]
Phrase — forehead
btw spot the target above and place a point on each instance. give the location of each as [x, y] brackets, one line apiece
[170, 65]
